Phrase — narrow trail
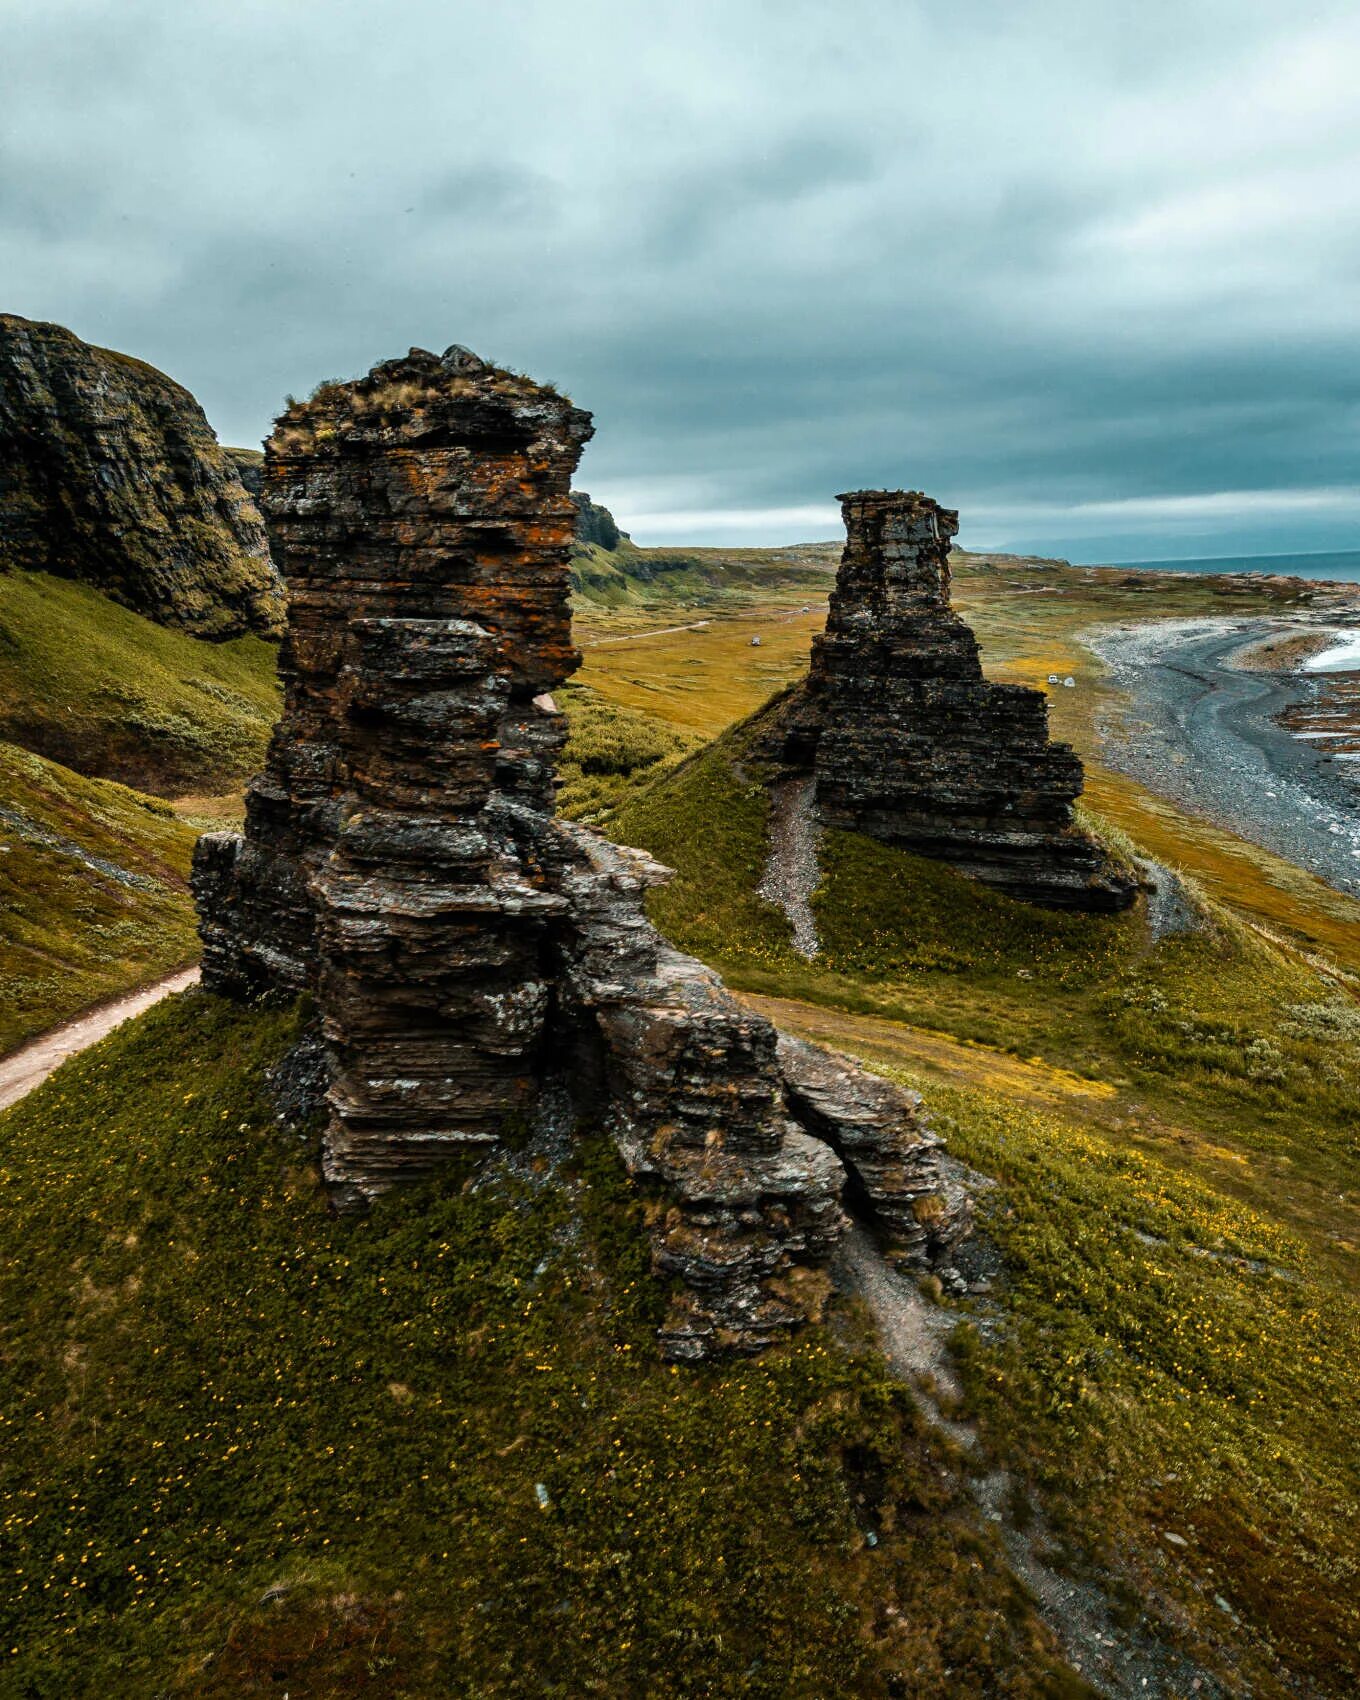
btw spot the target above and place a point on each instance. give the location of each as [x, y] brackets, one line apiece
[31, 1064]
[1121, 1661]
[792, 871]
[656, 631]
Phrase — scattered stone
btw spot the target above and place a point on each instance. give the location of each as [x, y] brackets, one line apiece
[912, 745]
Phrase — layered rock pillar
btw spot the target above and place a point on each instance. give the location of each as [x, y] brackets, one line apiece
[912, 745]
[486, 974]
[395, 857]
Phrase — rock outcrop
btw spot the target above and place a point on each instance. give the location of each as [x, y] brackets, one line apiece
[912, 745]
[110, 474]
[477, 963]
[595, 524]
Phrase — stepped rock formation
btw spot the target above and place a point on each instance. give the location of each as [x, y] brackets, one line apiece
[912, 745]
[110, 474]
[478, 964]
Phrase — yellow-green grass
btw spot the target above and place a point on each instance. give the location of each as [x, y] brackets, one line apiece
[1179, 1359]
[251, 1448]
[93, 898]
[706, 680]
[611, 752]
[702, 680]
[89, 683]
[613, 583]
[1204, 1091]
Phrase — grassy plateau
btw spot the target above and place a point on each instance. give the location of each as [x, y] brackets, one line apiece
[256, 1450]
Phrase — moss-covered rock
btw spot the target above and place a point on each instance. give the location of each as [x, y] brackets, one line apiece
[112, 475]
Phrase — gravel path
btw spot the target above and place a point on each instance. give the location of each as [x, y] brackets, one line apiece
[792, 871]
[31, 1064]
[1203, 732]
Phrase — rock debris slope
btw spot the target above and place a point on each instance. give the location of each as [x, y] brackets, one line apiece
[912, 745]
[477, 962]
[110, 474]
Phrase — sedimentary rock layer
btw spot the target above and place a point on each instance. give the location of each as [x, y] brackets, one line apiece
[475, 961]
[912, 745]
[397, 854]
[110, 474]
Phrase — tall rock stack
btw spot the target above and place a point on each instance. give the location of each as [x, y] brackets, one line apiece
[397, 853]
[912, 745]
[479, 965]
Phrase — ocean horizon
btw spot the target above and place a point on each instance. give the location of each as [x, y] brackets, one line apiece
[1337, 564]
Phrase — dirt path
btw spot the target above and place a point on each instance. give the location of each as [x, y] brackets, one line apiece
[792, 871]
[655, 631]
[31, 1064]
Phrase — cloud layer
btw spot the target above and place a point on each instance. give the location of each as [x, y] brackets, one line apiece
[1087, 273]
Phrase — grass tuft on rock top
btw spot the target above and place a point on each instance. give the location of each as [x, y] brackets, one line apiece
[93, 895]
[254, 1449]
[86, 682]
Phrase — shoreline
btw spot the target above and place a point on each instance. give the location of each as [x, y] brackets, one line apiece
[1260, 751]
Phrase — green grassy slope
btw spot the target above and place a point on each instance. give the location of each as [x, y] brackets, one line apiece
[630, 576]
[611, 753]
[252, 1449]
[97, 687]
[1173, 1341]
[92, 893]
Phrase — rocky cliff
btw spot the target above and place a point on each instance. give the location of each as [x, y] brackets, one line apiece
[912, 745]
[595, 524]
[485, 973]
[109, 473]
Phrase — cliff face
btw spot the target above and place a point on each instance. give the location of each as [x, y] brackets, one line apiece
[485, 973]
[912, 745]
[110, 474]
[595, 524]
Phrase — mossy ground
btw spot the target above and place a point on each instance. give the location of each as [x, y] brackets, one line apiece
[90, 684]
[612, 752]
[93, 897]
[1174, 1342]
[633, 578]
[256, 1450]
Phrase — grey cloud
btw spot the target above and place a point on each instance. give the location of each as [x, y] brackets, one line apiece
[1032, 259]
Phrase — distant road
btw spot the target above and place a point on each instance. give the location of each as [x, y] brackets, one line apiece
[31, 1064]
[1203, 733]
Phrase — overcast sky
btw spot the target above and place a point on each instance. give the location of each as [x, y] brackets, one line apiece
[1089, 273]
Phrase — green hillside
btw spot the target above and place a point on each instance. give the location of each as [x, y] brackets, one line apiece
[1174, 1125]
[90, 684]
[93, 899]
[432, 1452]
[631, 576]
